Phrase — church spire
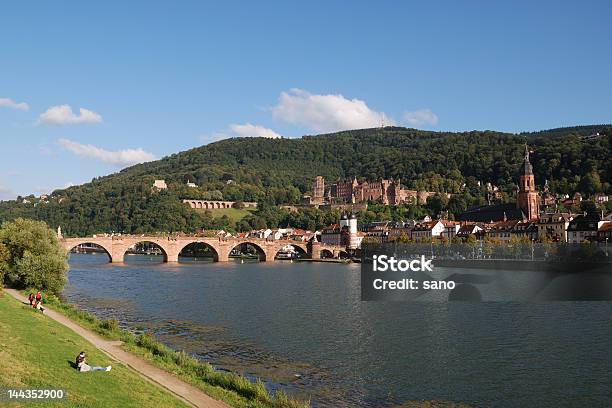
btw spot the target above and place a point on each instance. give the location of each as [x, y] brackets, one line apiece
[527, 168]
[527, 197]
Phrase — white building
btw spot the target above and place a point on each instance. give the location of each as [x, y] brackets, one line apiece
[160, 184]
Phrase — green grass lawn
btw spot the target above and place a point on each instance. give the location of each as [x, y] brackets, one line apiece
[36, 352]
[233, 214]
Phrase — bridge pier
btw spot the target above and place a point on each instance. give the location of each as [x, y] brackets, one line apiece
[223, 252]
[270, 253]
[117, 253]
[315, 251]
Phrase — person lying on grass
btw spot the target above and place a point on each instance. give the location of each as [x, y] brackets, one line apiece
[83, 367]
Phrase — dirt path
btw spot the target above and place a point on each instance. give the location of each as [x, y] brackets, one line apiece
[186, 392]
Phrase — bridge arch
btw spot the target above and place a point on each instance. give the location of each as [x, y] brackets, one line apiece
[326, 253]
[144, 247]
[184, 248]
[261, 252]
[343, 255]
[72, 245]
[299, 247]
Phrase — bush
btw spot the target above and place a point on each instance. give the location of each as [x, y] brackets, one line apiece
[110, 324]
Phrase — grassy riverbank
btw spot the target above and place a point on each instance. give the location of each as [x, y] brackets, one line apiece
[36, 352]
[231, 388]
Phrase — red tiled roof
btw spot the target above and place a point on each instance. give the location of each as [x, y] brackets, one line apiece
[606, 227]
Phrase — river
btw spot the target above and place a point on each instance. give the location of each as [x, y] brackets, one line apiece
[303, 327]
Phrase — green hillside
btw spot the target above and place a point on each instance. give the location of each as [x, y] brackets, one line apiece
[278, 171]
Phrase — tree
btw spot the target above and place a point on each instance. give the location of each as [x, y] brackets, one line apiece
[588, 207]
[590, 183]
[403, 238]
[471, 239]
[32, 256]
[4, 256]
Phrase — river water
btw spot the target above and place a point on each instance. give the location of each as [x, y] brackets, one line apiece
[302, 327]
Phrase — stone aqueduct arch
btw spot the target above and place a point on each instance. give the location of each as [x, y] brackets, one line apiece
[216, 204]
[117, 246]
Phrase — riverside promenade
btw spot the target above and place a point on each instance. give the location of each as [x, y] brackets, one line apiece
[161, 378]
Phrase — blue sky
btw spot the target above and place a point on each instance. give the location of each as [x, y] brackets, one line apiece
[155, 78]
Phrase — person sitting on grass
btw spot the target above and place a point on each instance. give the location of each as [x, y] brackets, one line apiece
[82, 366]
[38, 306]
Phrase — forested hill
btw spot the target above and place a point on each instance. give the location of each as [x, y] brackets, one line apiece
[280, 170]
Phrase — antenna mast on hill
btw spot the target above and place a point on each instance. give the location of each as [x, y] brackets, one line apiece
[382, 121]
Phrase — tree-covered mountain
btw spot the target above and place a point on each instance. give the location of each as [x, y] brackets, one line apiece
[279, 171]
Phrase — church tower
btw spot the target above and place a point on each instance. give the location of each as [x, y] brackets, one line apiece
[527, 197]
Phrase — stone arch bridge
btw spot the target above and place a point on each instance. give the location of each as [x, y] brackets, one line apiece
[117, 246]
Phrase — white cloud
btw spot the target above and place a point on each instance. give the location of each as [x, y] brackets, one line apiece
[122, 158]
[248, 130]
[9, 103]
[421, 117]
[63, 115]
[326, 113]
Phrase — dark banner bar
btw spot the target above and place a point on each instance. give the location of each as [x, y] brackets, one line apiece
[485, 272]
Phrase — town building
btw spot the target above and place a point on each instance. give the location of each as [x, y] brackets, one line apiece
[343, 234]
[378, 231]
[573, 202]
[470, 229]
[160, 184]
[547, 199]
[554, 226]
[604, 234]
[584, 228]
[426, 231]
[502, 230]
[494, 196]
[451, 228]
[351, 191]
[526, 230]
[399, 229]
